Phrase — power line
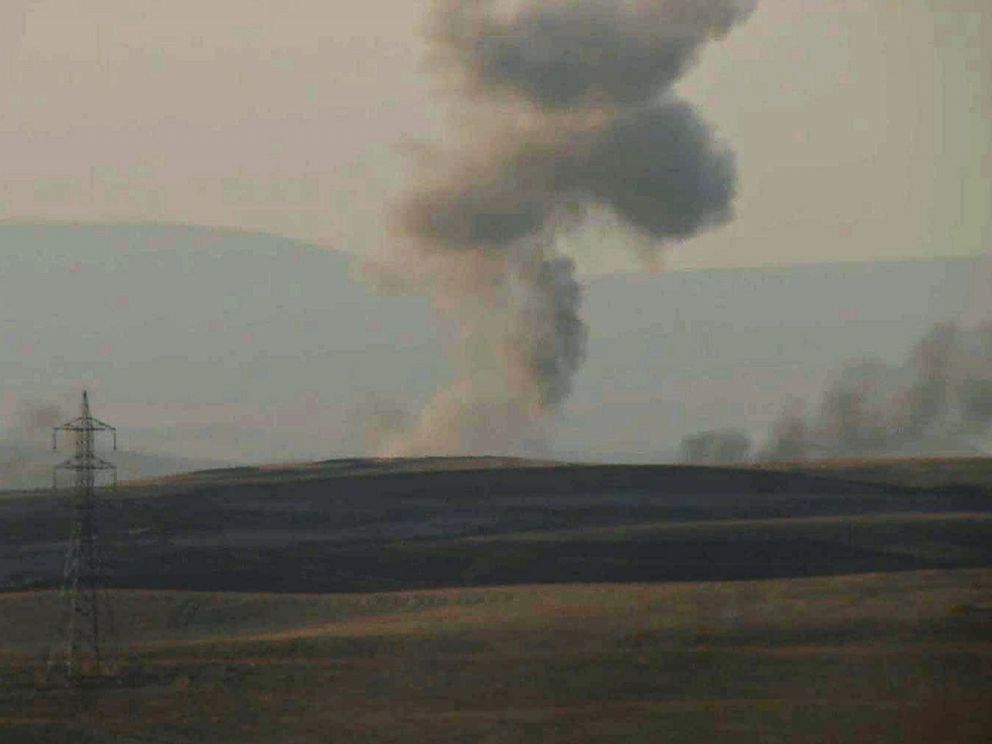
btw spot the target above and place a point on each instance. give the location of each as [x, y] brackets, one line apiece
[86, 631]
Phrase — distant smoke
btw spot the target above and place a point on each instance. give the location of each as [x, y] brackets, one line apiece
[789, 438]
[25, 433]
[34, 421]
[720, 447]
[381, 418]
[568, 106]
[937, 402]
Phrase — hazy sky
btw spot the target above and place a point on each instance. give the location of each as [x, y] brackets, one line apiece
[861, 126]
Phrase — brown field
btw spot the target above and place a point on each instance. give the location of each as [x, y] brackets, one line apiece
[504, 601]
[874, 658]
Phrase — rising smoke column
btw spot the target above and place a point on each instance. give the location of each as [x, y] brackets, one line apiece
[567, 106]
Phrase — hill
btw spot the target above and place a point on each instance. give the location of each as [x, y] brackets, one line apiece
[912, 472]
[182, 333]
[365, 525]
[503, 600]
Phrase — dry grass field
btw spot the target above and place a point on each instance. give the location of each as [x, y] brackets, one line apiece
[499, 601]
[873, 658]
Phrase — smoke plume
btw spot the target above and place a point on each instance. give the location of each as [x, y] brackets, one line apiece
[939, 401]
[567, 106]
[562, 53]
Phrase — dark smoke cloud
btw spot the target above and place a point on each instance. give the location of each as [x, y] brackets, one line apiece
[564, 53]
[551, 330]
[582, 89]
[494, 204]
[658, 168]
[660, 171]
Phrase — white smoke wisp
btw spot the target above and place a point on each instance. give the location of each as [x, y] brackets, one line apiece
[567, 106]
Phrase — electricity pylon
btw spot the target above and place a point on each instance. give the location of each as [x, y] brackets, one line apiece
[87, 624]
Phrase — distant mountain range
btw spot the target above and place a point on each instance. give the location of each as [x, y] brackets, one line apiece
[217, 345]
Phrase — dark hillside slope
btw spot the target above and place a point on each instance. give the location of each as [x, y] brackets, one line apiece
[361, 525]
[917, 472]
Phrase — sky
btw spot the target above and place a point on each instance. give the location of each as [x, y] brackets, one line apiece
[860, 126]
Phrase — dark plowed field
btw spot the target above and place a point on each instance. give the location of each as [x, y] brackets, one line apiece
[354, 526]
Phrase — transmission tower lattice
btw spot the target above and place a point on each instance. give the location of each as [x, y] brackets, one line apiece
[86, 631]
